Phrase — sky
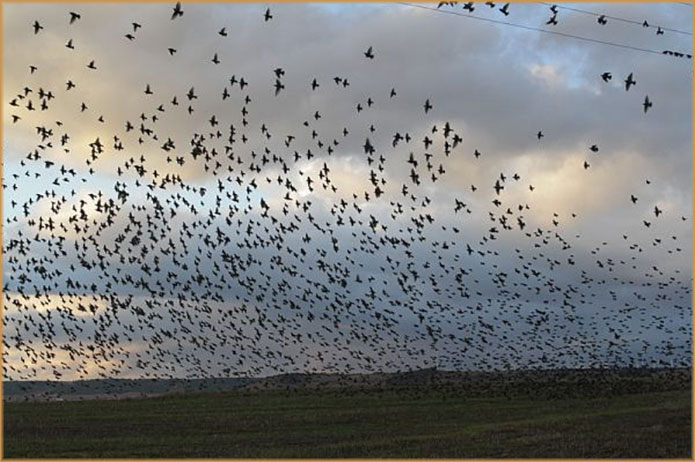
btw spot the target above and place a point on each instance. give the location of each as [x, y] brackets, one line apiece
[158, 261]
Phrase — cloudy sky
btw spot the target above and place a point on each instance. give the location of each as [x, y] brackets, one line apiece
[193, 244]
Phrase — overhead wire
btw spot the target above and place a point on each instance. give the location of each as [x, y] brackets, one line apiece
[617, 18]
[552, 32]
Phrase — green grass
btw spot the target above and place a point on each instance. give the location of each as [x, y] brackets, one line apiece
[271, 424]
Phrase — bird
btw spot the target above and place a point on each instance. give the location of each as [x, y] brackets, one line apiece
[629, 82]
[647, 104]
[267, 16]
[241, 234]
[37, 27]
[602, 20]
[74, 17]
[178, 12]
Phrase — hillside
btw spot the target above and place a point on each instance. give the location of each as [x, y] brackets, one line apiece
[546, 383]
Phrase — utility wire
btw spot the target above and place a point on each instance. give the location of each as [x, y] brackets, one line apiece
[616, 18]
[561, 34]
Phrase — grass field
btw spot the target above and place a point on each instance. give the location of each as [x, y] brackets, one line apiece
[324, 424]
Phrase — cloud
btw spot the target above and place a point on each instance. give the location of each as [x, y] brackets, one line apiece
[203, 234]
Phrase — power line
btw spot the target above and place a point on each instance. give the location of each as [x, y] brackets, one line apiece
[616, 18]
[536, 29]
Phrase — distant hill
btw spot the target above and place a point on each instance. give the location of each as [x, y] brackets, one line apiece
[113, 388]
[547, 383]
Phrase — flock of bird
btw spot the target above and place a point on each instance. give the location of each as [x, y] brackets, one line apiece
[267, 262]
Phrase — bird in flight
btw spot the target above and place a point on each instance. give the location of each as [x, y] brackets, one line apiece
[369, 53]
[629, 82]
[178, 12]
[646, 104]
[208, 239]
[278, 86]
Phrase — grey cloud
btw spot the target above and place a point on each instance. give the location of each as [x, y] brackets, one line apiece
[496, 86]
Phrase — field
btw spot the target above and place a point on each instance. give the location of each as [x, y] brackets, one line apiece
[407, 421]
